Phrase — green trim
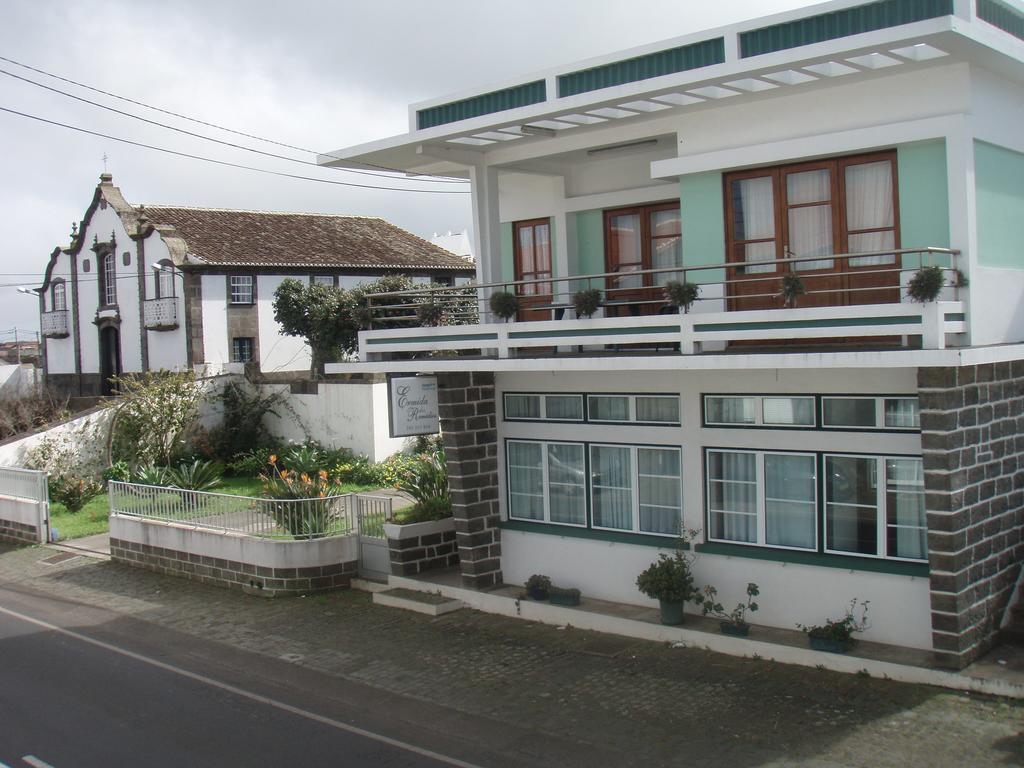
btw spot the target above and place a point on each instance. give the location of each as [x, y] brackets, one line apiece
[999, 189]
[924, 200]
[954, 316]
[449, 337]
[593, 332]
[702, 213]
[837, 322]
[552, 529]
[484, 104]
[844, 562]
[681, 59]
[1001, 15]
[842, 23]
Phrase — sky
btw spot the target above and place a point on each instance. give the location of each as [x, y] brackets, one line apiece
[314, 75]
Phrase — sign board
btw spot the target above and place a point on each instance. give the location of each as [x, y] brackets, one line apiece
[412, 405]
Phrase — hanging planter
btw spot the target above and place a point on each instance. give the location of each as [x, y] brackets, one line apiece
[586, 302]
[792, 288]
[681, 295]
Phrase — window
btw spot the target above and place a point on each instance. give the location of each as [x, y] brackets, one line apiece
[165, 280]
[870, 413]
[547, 482]
[757, 410]
[647, 237]
[240, 289]
[241, 349]
[756, 497]
[327, 280]
[537, 407]
[645, 409]
[876, 519]
[58, 296]
[636, 489]
[532, 250]
[108, 280]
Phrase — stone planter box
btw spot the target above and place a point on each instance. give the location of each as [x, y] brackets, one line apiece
[418, 547]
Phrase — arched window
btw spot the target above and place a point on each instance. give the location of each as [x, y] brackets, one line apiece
[165, 280]
[108, 279]
[58, 296]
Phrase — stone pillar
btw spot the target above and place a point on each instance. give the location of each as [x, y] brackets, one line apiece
[972, 439]
[468, 428]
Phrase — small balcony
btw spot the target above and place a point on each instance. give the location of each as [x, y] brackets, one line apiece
[54, 325]
[160, 314]
[839, 301]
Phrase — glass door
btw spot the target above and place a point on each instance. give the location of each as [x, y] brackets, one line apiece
[532, 246]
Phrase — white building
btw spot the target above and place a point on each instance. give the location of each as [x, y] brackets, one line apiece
[459, 243]
[855, 445]
[163, 287]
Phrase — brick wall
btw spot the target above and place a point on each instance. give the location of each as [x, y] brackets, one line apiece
[416, 554]
[972, 438]
[14, 532]
[467, 413]
[255, 579]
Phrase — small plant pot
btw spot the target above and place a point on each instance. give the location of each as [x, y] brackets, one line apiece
[557, 599]
[671, 612]
[736, 630]
[829, 645]
[536, 593]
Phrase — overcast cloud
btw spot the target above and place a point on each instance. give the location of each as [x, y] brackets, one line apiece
[315, 75]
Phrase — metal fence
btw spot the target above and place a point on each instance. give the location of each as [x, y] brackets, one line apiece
[265, 518]
[25, 484]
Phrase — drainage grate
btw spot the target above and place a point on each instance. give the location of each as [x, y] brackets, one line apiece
[61, 557]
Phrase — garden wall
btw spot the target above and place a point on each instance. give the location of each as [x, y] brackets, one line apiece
[86, 434]
[267, 567]
[22, 521]
[19, 380]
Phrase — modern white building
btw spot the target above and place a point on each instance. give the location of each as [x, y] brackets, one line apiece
[850, 444]
[144, 288]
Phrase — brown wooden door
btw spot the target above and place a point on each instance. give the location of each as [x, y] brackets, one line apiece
[532, 250]
[641, 238]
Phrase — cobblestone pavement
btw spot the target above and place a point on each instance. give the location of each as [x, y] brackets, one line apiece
[644, 703]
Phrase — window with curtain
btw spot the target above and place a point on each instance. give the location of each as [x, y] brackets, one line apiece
[546, 481]
[760, 410]
[852, 412]
[539, 407]
[58, 296]
[532, 255]
[636, 488]
[642, 238]
[753, 223]
[644, 409]
[164, 279]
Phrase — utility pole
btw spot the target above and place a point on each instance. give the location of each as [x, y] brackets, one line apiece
[17, 346]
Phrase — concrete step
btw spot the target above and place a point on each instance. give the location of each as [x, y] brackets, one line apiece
[430, 603]
[367, 585]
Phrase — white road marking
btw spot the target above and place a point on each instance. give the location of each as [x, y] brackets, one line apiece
[236, 691]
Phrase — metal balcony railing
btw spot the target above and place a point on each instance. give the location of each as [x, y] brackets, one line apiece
[160, 314]
[54, 325]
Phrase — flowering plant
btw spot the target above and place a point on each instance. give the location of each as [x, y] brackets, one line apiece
[307, 504]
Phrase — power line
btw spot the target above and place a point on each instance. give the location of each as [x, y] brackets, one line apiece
[229, 164]
[203, 122]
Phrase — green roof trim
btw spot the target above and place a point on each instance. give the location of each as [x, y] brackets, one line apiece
[842, 23]
[836, 322]
[484, 104]
[667, 62]
[590, 332]
[1001, 15]
[442, 337]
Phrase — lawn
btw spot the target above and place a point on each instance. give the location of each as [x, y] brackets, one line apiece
[93, 518]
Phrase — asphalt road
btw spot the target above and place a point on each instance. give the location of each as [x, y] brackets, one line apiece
[66, 701]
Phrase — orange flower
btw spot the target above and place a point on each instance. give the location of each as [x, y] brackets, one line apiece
[304, 478]
[272, 459]
[323, 474]
[284, 473]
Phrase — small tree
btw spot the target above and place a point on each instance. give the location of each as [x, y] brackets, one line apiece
[321, 314]
[154, 415]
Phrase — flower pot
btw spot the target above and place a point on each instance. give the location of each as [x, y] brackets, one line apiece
[537, 593]
[671, 612]
[736, 630]
[557, 599]
[830, 645]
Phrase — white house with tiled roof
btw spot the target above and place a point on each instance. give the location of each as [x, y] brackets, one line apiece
[143, 288]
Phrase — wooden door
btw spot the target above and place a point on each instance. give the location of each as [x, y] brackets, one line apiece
[532, 252]
[641, 238]
[809, 229]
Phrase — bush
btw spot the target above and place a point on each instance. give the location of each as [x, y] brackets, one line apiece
[24, 414]
[681, 295]
[74, 492]
[926, 284]
[151, 474]
[307, 519]
[119, 470]
[197, 476]
[586, 302]
[671, 579]
[242, 428]
[504, 305]
[154, 414]
[252, 462]
[427, 511]
[426, 479]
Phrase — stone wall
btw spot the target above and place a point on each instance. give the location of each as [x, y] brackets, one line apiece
[14, 532]
[419, 547]
[972, 438]
[468, 428]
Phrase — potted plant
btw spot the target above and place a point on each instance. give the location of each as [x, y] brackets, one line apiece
[792, 287]
[564, 596]
[669, 580]
[538, 587]
[681, 295]
[504, 305]
[836, 635]
[733, 622]
[586, 302]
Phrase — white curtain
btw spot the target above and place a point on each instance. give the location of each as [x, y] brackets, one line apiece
[869, 205]
[731, 410]
[522, 406]
[902, 413]
[658, 409]
[566, 407]
[790, 500]
[567, 499]
[732, 496]
[906, 525]
[666, 244]
[660, 491]
[525, 480]
[810, 226]
[612, 470]
[788, 410]
[608, 407]
[754, 219]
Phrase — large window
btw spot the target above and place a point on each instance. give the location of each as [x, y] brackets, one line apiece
[538, 407]
[547, 482]
[240, 289]
[851, 412]
[652, 409]
[58, 295]
[108, 279]
[532, 245]
[759, 410]
[647, 237]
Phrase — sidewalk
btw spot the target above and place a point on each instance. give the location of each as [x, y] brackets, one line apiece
[641, 703]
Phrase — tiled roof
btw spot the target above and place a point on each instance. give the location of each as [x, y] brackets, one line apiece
[266, 239]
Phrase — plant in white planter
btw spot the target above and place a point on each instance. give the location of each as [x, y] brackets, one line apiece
[927, 283]
[681, 295]
[504, 305]
[586, 302]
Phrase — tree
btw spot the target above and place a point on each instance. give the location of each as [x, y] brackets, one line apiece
[321, 314]
[154, 415]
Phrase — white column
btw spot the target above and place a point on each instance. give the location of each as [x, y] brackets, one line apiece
[486, 227]
[963, 219]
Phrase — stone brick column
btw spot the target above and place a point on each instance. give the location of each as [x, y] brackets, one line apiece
[467, 413]
[972, 437]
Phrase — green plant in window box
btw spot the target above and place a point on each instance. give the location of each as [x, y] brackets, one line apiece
[791, 288]
[504, 305]
[734, 622]
[586, 302]
[836, 635]
[670, 581]
[681, 295]
[538, 587]
[564, 596]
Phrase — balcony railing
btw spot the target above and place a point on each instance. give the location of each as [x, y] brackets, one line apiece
[160, 314]
[54, 325]
[738, 302]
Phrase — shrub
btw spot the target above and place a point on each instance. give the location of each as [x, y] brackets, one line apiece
[119, 470]
[737, 616]
[430, 313]
[681, 295]
[24, 414]
[926, 284]
[586, 302]
[840, 630]
[504, 305]
[74, 492]
[154, 414]
[791, 287]
[314, 518]
[426, 511]
[426, 479]
[242, 428]
[670, 579]
[197, 476]
[252, 462]
[151, 474]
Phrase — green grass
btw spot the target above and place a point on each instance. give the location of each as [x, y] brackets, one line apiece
[93, 518]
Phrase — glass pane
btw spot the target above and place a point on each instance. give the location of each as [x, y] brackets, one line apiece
[797, 411]
[525, 481]
[664, 223]
[166, 279]
[902, 413]
[851, 529]
[906, 525]
[658, 409]
[608, 407]
[810, 234]
[542, 250]
[526, 260]
[730, 410]
[851, 513]
[753, 252]
[732, 496]
[660, 491]
[566, 484]
[809, 187]
[790, 500]
[872, 241]
[568, 407]
[522, 406]
[612, 486]
[851, 480]
[753, 206]
[666, 252]
[869, 203]
[849, 412]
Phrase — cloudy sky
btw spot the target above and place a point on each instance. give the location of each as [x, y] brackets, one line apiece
[314, 75]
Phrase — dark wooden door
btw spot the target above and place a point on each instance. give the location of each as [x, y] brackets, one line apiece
[110, 359]
[532, 251]
[637, 239]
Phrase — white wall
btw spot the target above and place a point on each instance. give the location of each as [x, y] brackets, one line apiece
[277, 351]
[168, 350]
[19, 380]
[85, 434]
[216, 348]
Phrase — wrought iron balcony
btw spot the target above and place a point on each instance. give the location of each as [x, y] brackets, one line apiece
[160, 314]
[54, 325]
